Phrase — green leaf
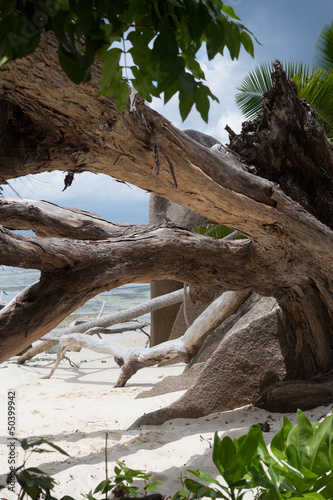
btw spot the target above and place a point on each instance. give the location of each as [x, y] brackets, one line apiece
[200, 474]
[223, 451]
[317, 90]
[250, 96]
[202, 103]
[279, 441]
[323, 51]
[153, 485]
[71, 66]
[229, 11]
[103, 485]
[325, 485]
[215, 40]
[300, 434]
[185, 105]
[317, 450]
[121, 96]
[310, 496]
[247, 43]
[248, 444]
[110, 69]
[236, 470]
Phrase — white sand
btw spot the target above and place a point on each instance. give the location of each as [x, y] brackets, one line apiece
[78, 406]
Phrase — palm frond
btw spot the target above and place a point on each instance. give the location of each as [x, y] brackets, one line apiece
[323, 51]
[250, 96]
[317, 90]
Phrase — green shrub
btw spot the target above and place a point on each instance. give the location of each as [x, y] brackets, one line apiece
[299, 465]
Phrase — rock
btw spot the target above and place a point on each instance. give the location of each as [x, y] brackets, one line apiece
[162, 211]
[174, 383]
[179, 326]
[205, 140]
[214, 339]
[255, 344]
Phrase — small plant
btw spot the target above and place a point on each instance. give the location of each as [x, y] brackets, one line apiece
[34, 483]
[299, 465]
[37, 485]
[121, 485]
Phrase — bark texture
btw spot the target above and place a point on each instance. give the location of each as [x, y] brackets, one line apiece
[276, 188]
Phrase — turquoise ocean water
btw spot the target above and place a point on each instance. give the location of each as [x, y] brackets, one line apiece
[13, 280]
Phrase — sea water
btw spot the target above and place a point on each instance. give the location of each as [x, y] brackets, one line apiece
[13, 280]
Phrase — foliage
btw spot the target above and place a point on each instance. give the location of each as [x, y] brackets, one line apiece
[258, 81]
[315, 82]
[36, 484]
[152, 43]
[122, 482]
[299, 465]
[216, 231]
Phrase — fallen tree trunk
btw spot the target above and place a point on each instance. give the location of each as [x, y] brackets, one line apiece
[106, 321]
[289, 251]
[183, 348]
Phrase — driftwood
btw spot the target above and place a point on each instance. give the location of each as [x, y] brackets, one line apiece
[183, 348]
[276, 190]
[98, 325]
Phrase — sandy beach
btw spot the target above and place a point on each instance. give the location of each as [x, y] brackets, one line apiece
[78, 406]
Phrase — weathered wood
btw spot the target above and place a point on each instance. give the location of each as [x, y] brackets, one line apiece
[74, 271]
[183, 348]
[106, 321]
[57, 125]
[292, 395]
[48, 219]
[297, 154]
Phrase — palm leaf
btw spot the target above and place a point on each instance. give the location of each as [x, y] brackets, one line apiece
[251, 90]
[323, 51]
[317, 90]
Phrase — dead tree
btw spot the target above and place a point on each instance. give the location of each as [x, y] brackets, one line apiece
[276, 189]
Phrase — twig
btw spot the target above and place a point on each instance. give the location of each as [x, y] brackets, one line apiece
[106, 466]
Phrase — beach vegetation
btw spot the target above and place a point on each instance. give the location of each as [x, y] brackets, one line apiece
[121, 483]
[36, 484]
[298, 464]
[33, 482]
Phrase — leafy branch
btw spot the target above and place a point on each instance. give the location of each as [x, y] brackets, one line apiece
[164, 37]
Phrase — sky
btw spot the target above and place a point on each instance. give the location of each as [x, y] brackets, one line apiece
[286, 29]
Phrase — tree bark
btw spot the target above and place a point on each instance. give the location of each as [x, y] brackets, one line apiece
[276, 189]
